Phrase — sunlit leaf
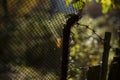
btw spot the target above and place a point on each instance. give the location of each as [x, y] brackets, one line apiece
[78, 5]
[106, 4]
[70, 79]
[68, 2]
[59, 42]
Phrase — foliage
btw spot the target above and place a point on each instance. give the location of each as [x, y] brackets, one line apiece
[106, 4]
[85, 48]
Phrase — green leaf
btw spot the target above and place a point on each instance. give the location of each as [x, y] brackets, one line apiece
[68, 2]
[106, 5]
[78, 5]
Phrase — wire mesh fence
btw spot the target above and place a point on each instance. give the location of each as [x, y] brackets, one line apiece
[30, 44]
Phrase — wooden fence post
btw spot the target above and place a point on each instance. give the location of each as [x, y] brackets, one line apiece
[104, 66]
[119, 39]
[115, 67]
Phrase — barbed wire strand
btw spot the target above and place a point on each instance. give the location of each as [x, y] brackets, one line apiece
[94, 32]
